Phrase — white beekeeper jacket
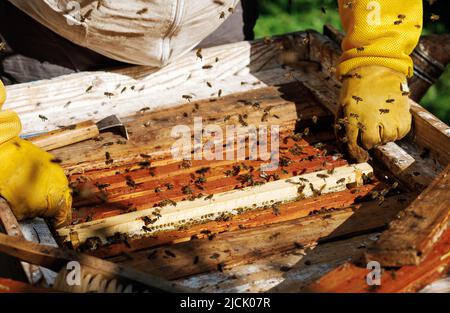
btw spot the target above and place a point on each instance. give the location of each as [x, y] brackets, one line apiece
[146, 32]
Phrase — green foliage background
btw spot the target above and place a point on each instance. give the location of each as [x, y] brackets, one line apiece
[282, 16]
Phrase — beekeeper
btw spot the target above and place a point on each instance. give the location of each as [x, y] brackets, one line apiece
[47, 38]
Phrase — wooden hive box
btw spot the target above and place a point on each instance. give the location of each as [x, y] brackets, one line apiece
[225, 225]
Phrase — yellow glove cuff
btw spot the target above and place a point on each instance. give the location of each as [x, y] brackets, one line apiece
[382, 32]
[2, 94]
[10, 126]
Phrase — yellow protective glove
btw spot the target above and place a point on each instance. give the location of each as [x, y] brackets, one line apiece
[380, 36]
[30, 182]
[375, 109]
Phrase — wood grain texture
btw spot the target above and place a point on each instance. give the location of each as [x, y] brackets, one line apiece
[56, 258]
[295, 269]
[66, 136]
[288, 106]
[11, 286]
[418, 228]
[351, 278]
[248, 245]
[12, 228]
[70, 99]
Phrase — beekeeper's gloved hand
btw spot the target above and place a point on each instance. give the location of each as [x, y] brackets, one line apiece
[30, 182]
[380, 36]
[375, 109]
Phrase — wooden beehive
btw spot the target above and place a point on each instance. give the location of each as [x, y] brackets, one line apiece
[282, 238]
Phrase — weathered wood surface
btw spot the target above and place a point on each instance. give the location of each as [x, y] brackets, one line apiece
[12, 227]
[351, 278]
[297, 268]
[248, 245]
[57, 258]
[84, 96]
[11, 286]
[150, 133]
[418, 228]
[288, 106]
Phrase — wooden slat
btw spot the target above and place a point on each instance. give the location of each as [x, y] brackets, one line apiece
[418, 228]
[351, 278]
[157, 182]
[246, 246]
[69, 99]
[56, 258]
[254, 218]
[13, 228]
[150, 132]
[295, 269]
[173, 216]
[11, 286]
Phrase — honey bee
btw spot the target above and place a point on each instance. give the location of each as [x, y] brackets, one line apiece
[108, 158]
[222, 15]
[265, 117]
[142, 11]
[348, 4]
[361, 126]
[434, 17]
[343, 121]
[170, 253]
[357, 99]
[199, 54]
[384, 111]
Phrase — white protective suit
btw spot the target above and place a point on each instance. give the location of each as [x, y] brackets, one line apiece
[145, 32]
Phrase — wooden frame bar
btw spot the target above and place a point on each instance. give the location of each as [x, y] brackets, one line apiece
[411, 236]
